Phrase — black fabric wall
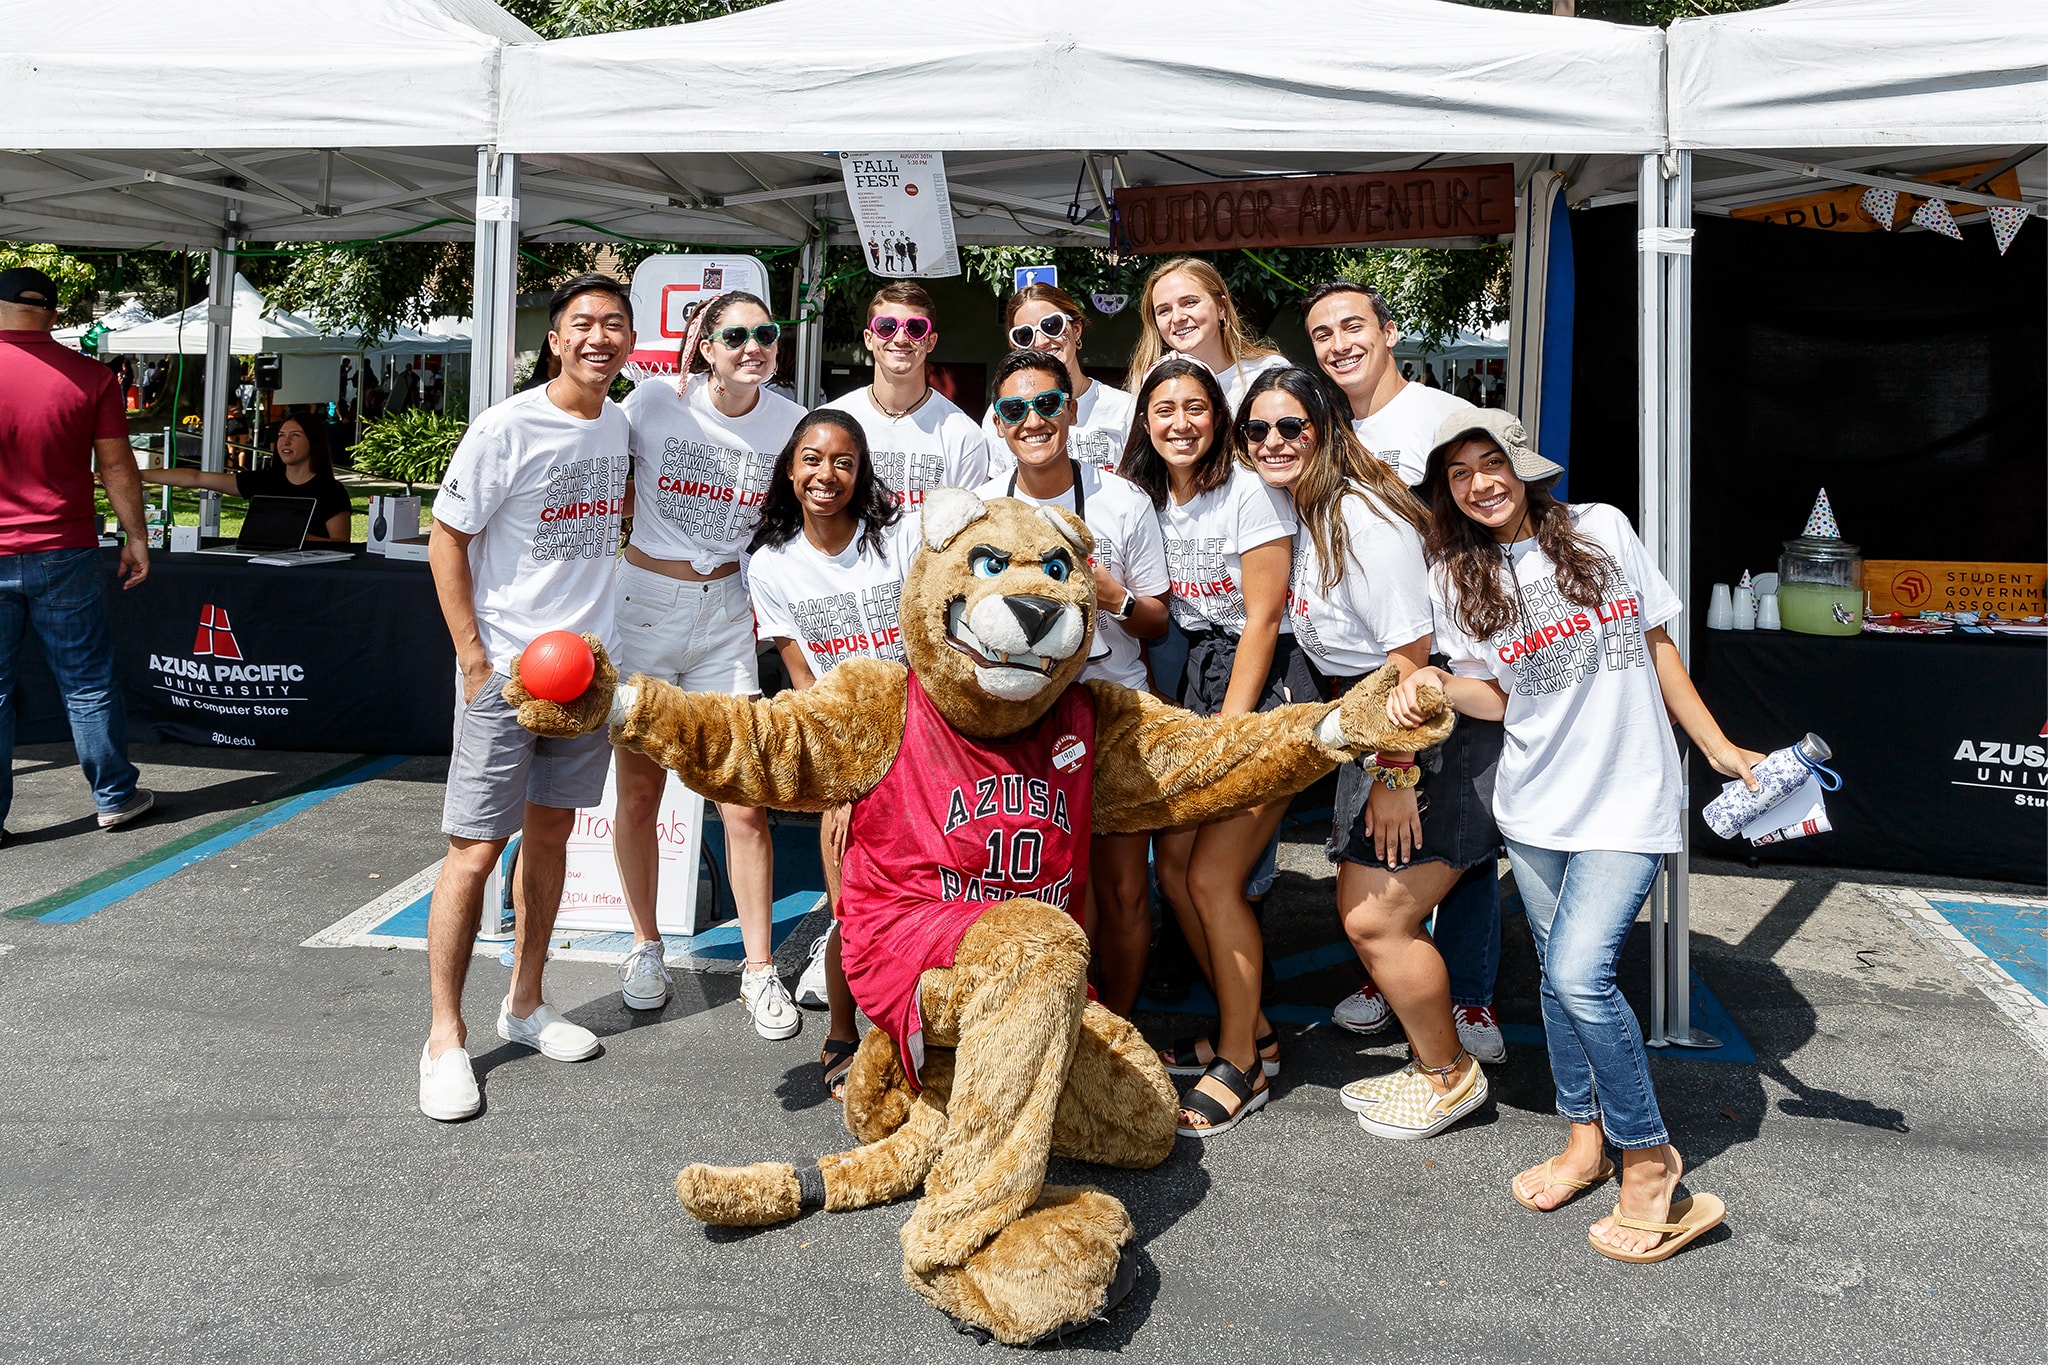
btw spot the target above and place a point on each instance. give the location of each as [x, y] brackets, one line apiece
[1905, 373]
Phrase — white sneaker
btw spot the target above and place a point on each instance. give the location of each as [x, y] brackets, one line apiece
[767, 1001]
[1414, 1110]
[1363, 1011]
[546, 1030]
[643, 977]
[1479, 1032]
[448, 1086]
[810, 987]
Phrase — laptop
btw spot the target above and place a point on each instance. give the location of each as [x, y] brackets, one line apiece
[273, 531]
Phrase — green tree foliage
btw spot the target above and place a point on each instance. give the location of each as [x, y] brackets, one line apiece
[413, 447]
[74, 277]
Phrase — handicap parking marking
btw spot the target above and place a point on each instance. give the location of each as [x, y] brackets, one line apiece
[1998, 943]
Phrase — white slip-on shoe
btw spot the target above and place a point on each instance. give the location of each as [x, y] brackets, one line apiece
[767, 1000]
[643, 977]
[810, 987]
[1479, 1032]
[448, 1086]
[1414, 1110]
[1363, 1011]
[546, 1030]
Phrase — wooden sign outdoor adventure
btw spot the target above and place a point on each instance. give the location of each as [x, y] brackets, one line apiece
[1317, 210]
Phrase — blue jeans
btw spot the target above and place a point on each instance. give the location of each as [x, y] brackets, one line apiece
[1581, 907]
[1467, 934]
[58, 593]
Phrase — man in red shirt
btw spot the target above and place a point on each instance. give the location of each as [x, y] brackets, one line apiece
[60, 411]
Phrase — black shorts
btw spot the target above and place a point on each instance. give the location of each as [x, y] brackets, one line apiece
[1211, 654]
[1455, 797]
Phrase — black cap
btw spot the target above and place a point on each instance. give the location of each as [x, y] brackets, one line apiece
[26, 284]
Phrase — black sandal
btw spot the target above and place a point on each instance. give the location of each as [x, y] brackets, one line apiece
[1217, 1119]
[835, 1064]
[1194, 1066]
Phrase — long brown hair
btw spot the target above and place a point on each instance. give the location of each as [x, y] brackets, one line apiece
[1144, 466]
[1238, 342]
[1337, 467]
[1475, 564]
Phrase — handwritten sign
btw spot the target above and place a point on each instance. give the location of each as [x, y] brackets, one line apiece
[1318, 210]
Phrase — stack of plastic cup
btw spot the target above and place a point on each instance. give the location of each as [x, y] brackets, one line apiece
[1720, 609]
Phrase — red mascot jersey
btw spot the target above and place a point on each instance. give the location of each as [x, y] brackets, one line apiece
[958, 824]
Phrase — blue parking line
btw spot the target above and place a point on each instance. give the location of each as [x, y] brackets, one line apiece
[113, 894]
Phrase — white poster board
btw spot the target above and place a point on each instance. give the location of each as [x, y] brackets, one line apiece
[903, 212]
[664, 287]
[591, 899]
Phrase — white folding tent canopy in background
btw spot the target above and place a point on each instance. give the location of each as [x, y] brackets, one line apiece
[252, 330]
[128, 314]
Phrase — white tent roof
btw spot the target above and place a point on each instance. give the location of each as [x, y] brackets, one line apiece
[252, 332]
[1862, 73]
[1285, 75]
[129, 314]
[1466, 345]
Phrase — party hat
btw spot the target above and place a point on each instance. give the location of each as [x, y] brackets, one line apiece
[1935, 217]
[1882, 206]
[1820, 524]
[2005, 224]
[1745, 580]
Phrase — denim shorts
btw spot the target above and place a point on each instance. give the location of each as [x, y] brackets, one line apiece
[498, 765]
[1455, 797]
[1212, 655]
[699, 636]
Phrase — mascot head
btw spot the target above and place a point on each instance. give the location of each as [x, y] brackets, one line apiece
[998, 609]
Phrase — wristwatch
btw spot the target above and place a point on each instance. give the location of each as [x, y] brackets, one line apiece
[1123, 613]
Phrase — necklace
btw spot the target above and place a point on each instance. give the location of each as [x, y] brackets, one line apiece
[883, 408]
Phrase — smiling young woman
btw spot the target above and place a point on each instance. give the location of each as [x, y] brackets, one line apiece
[1045, 317]
[1192, 314]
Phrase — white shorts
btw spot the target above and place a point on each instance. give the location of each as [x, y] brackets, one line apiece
[699, 636]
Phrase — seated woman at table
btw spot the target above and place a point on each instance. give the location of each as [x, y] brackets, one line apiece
[302, 470]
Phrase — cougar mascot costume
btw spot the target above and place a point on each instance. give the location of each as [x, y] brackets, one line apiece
[976, 777]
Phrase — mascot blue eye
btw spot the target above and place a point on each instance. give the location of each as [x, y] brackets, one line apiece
[987, 564]
[1056, 570]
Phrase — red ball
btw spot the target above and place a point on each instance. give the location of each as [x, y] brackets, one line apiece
[557, 666]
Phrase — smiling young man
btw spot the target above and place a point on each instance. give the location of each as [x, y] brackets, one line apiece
[917, 438]
[525, 530]
[1353, 333]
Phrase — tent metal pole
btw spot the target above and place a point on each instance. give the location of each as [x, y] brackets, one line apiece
[1650, 431]
[220, 315]
[493, 329]
[482, 274]
[812, 381]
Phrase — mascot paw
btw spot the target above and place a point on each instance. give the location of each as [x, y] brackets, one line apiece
[566, 720]
[741, 1196]
[1055, 1270]
[1362, 715]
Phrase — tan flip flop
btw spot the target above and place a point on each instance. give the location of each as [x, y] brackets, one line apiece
[1691, 1216]
[1577, 1187]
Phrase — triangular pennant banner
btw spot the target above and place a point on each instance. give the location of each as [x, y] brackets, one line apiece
[1882, 206]
[2005, 225]
[1935, 217]
[1820, 524]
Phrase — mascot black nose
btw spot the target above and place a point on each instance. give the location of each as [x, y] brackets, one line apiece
[1036, 614]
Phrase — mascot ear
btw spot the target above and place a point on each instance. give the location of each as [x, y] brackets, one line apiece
[1071, 528]
[948, 512]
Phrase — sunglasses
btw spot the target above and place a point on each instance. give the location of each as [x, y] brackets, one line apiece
[1048, 404]
[732, 338]
[1256, 428]
[1052, 325]
[884, 326]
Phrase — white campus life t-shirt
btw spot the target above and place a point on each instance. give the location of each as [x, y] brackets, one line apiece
[937, 446]
[1205, 543]
[1127, 544]
[1404, 431]
[1381, 598]
[1102, 423]
[700, 477]
[541, 490]
[837, 607]
[1237, 379]
[1589, 760]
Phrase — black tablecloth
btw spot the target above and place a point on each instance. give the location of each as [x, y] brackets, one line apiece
[1938, 740]
[345, 657]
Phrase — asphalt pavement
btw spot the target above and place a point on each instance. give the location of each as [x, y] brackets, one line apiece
[213, 1153]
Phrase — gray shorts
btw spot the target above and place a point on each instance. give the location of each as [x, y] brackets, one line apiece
[498, 765]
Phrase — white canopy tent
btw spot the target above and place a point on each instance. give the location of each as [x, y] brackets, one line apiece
[129, 314]
[255, 328]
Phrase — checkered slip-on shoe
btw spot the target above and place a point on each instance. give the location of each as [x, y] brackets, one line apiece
[1365, 1094]
[1414, 1109]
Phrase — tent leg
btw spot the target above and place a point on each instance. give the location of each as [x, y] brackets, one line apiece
[1650, 433]
[220, 313]
[811, 331]
[492, 330]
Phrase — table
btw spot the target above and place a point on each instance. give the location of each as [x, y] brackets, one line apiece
[346, 657]
[1938, 740]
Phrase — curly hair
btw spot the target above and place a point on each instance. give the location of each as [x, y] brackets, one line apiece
[782, 516]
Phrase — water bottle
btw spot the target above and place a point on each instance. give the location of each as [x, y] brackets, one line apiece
[1778, 776]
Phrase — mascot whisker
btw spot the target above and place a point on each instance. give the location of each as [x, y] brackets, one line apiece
[976, 776]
